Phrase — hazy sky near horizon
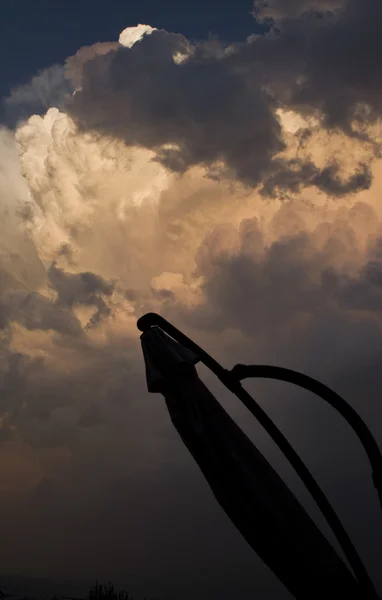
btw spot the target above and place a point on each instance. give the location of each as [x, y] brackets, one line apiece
[219, 164]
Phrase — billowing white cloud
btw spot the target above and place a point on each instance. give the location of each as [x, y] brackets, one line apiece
[131, 35]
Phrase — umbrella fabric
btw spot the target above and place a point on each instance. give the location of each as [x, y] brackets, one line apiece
[249, 490]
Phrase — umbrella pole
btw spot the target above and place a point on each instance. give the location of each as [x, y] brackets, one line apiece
[231, 379]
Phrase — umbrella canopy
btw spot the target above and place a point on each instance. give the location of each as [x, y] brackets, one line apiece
[249, 490]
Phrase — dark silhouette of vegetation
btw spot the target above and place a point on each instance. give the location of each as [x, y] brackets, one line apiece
[108, 592]
[98, 591]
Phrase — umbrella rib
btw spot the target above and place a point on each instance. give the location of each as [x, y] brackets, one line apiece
[363, 433]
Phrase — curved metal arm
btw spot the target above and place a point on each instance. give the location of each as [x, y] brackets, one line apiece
[231, 379]
[364, 434]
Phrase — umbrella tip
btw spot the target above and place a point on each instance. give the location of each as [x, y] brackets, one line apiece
[146, 321]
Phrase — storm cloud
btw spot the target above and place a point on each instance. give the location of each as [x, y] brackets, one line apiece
[235, 189]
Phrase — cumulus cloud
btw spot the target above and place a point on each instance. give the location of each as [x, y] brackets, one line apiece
[233, 190]
[217, 108]
[131, 35]
[196, 112]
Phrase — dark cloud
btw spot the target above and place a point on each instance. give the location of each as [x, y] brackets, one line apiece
[202, 107]
[34, 311]
[81, 288]
[294, 175]
[279, 9]
[259, 285]
[217, 107]
[49, 88]
[330, 64]
[352, 47]
[74, 66]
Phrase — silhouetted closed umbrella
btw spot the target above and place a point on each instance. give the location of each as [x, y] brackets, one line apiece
[251, 493]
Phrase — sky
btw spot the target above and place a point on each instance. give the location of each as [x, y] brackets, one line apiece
[49, 32]
[220, 165]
